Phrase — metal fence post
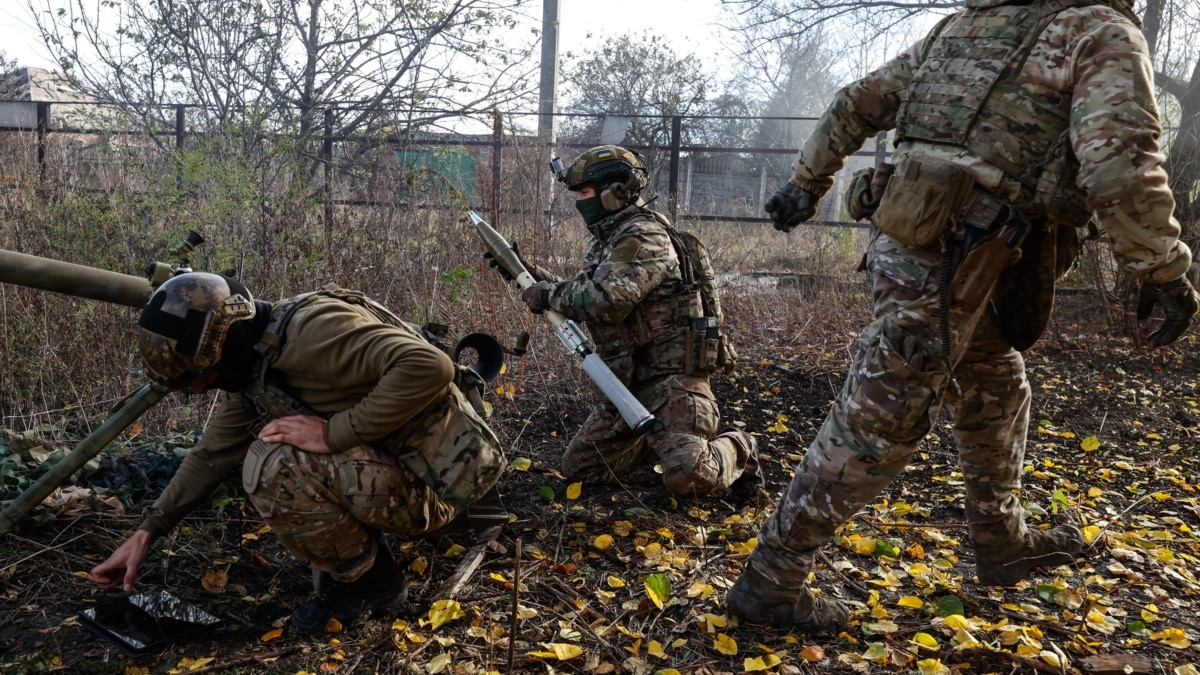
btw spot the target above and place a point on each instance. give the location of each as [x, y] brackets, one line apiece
[43, 127]
[327, 190]
[673, 182]
[497, 163]
[179, 130]
[762, 185]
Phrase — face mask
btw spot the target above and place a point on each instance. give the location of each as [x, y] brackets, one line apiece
[591, 209]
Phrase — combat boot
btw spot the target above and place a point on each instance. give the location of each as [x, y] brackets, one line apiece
[1005, 565]
[750, 483]
[381, 588]
[759, 600]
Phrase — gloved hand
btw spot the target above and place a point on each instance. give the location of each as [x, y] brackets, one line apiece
[537, 272]
[1179, 302]
[495, 264]
[537, 296]
[790, 205]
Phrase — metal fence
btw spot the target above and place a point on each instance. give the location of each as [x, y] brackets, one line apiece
[696, 178]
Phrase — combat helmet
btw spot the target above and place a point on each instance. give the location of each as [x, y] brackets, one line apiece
[617, 173]
[182, 328]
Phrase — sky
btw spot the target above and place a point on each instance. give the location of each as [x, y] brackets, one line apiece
[692, 23]
[18, 36]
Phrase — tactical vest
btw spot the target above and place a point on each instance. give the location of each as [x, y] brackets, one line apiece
[678, 333]
[460, 469]
[965, 94]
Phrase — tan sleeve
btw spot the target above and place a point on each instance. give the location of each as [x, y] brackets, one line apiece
[218, 453]
[372, 376]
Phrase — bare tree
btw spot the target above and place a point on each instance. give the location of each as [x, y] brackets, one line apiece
[1172, 28]
[7, 64]
[640, 78]
[281, 62]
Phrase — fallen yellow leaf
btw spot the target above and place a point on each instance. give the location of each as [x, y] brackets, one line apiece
[574, 490]
[438, 663]
[925, 640]
[931, 667]
[725, 644]
[443, 612]
[655, 649]
[761, 663]
[602, 542]
[272, 635]
[700, 589]
[558, 650]
[1174, 637]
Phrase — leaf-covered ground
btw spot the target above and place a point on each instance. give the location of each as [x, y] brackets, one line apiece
[625, 578]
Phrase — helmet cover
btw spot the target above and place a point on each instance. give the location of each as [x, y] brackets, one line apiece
[601, 165]
[182, 328]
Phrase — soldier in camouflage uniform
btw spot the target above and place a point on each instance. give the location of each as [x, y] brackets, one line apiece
[632, 297]
[1014, 119]
[366, 397]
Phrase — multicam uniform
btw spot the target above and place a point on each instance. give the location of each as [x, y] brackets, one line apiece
[630, 295]
[1086, 80]
[378, 385]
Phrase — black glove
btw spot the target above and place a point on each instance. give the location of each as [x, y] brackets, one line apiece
[536, 272]
[1179, 302]
[790, 205]
[537, 296]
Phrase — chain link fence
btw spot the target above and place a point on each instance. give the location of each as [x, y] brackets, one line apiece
[702, 168]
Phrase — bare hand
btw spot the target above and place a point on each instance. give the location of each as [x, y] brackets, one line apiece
[122, 566]
[301, 431]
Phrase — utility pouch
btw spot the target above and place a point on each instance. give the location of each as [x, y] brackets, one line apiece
[923, 199]
[867, 188]
[702, 346]
[726, 355]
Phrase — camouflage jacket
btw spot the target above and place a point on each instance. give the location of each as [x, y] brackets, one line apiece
[629, 294]
[1090, 55]
[369, 378]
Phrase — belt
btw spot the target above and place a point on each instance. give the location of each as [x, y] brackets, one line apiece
[986, 211]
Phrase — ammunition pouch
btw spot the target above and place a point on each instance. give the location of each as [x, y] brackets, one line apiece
[705, 350]
[923, 199]
[866, 190]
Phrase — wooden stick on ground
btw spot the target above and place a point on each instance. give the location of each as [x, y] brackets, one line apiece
[470, 563]
[516, 598]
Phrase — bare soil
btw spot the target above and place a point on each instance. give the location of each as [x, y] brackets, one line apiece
[1138, 487]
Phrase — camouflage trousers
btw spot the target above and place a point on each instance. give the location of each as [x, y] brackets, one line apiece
[327, 509]
[892, 394]
[694, 462]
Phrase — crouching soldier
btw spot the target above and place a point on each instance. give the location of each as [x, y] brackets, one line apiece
[647, 297]
[345, 421]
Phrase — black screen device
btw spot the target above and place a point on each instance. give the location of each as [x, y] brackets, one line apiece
[147, 622]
